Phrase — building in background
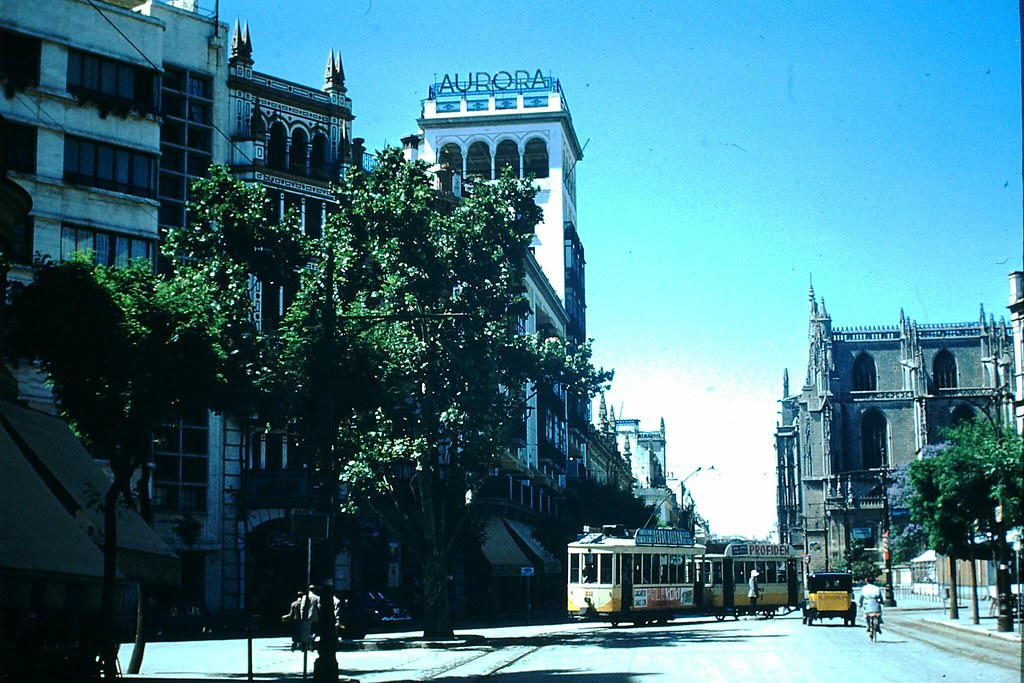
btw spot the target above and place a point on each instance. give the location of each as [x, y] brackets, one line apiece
[872, 400]
[1017, 323]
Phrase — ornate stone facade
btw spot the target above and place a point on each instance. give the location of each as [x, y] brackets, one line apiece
[872, 399]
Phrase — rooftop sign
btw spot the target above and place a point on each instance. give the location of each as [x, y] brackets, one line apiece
[482, 81]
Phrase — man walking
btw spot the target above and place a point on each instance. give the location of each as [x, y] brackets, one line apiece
[753, 590]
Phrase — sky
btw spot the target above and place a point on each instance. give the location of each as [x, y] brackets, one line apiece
[735, 153]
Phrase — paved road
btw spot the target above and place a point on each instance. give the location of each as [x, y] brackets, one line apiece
[782, 649]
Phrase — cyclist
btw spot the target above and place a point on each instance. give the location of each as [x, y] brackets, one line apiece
[870, 602]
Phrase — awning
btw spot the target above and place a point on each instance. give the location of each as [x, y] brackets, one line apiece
[48, 561]
[525, 533]
[77, 483]
[926, 556]
[501, 551]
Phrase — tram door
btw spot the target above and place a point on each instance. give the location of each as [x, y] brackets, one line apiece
[728, 583]
[793, 582]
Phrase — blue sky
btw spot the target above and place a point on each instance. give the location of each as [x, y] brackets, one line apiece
[733, 151]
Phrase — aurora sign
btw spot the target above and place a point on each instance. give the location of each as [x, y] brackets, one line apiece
[482, 81]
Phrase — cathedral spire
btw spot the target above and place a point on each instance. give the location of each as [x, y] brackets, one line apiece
[602, 414]
[785, 382]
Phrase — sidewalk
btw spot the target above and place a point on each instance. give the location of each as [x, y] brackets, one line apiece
[933, 612]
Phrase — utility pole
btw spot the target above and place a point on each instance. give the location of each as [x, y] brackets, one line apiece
[890, 600]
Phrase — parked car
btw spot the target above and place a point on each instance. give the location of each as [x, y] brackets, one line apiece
[361, 612]
[182, 621]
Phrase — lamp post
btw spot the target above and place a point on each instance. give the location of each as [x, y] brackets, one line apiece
[890, 599]
[670, 492]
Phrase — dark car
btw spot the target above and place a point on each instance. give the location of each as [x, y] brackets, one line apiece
[182, 621]
[362, 612]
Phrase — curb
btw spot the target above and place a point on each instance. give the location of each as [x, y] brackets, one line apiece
[1010, 637]
[402, 644]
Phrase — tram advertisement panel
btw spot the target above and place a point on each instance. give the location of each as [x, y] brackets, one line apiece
[660, 597]
[766, 550]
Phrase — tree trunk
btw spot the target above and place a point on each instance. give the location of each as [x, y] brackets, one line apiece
[974, 589]
[954, 601]
[437, 612]
[146, 510]
[109, 644]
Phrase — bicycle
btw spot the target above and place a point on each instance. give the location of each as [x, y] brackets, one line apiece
[873, 620]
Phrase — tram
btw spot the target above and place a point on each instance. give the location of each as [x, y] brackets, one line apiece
[727, 568]
[640, 577]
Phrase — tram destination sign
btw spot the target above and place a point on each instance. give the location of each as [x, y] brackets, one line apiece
[663, 537]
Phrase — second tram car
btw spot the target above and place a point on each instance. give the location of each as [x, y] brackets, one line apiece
[727, 568]
[644, 576]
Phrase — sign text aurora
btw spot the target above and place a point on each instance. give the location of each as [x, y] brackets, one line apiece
[481, 81]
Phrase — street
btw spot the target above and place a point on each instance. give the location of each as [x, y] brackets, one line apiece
[781, 649]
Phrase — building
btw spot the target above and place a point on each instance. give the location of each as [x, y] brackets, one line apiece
[872, 400]
[1017, 323]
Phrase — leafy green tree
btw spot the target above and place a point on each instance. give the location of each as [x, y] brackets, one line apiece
[593, 503]
[958, 488]
[859, 562]
[430, 297]
[142, 355]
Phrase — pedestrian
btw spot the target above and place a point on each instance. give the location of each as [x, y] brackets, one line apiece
[294, 617]
[753, 589]
[309, 617]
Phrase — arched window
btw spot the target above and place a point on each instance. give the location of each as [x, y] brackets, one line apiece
[451, 158]
[874, 439]
[277, 151]
[962, 413]
[944, 370]
[478, 161]
[300, 144]
[318, 157]
[865, 378]
[535, 159]
[507, 156]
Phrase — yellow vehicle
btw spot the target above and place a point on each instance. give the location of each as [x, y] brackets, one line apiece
[830, 595]
[637, 576]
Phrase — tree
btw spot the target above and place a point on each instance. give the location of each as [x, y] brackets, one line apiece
[419, 305]
[593, 503]
[958, 489]
[858, 562]
[142, 356]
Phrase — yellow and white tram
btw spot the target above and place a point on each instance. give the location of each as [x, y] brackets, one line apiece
[639, 576]
[726, 570]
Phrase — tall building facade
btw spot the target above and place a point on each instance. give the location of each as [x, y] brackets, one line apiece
[872, 400]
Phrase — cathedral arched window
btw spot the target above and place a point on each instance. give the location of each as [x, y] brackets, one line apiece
[944, 370]
[318, 157]
[297, 153]
[535, 159]
[874, 439]
[478, 161]
[961, 414]
[277, 151]
[507, 156]
[865, 376]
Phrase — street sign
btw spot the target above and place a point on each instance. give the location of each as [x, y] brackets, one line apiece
[310, 525]
[526, 571]
[863, 533]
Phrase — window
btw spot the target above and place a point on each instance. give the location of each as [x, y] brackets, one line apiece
[535, 159]
[864, 376]
[944, 370]
[108, 82]
[186, 139]
[19, 147]
[181, 457]
[297, 153]
[277, 151]
[21, 248]
[318, 157]
[107, 248]
[101, 165]
[19, 60]
[507, 156]
[478, 161]
[451, 158]
[874, 437]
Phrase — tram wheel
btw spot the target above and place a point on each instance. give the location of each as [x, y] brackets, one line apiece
[719, 617]
[615, 624]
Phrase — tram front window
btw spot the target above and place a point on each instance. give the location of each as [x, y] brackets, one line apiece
[605, 569]
[589, 568]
